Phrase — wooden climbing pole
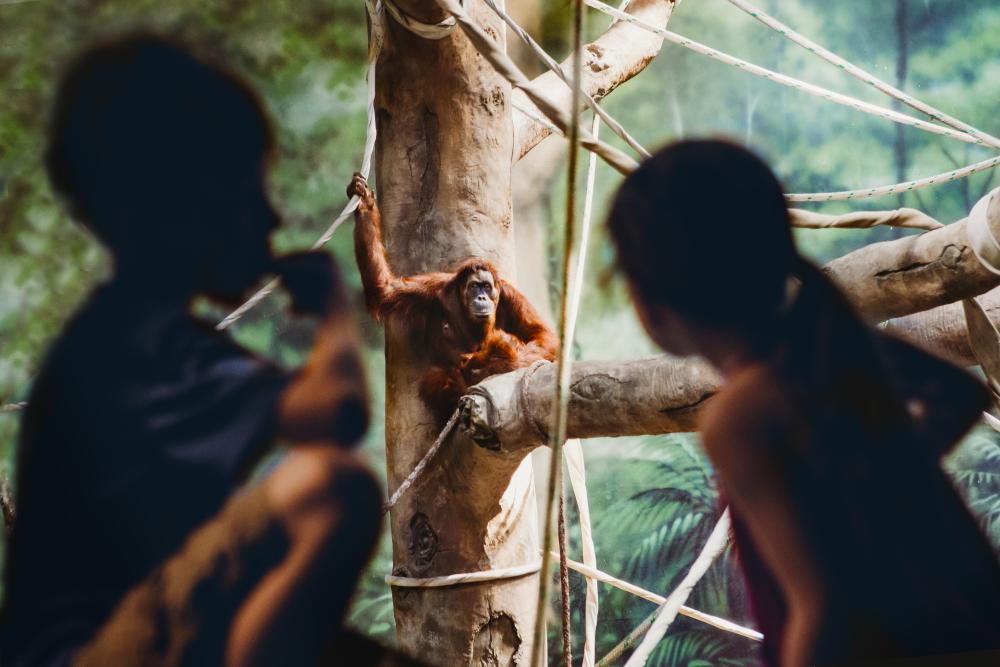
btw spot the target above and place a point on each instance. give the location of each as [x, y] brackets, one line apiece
[447, 138]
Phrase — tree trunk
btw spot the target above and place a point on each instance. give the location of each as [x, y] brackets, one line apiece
[443, 167]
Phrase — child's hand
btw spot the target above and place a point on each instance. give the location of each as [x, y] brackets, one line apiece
[313, 281]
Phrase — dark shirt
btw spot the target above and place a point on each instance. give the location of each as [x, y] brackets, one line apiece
[908, 573]
[142, 421]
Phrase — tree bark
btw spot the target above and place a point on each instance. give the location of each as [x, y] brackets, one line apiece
[943, 329]
[443, 167]
[915, 273]
[510, 413]
[443, 173]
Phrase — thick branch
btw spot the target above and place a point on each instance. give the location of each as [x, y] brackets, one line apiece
[915, 273]
[609, 61]
[943, 329]
[661, 395]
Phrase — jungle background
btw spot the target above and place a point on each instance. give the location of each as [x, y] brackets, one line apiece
[653, 499]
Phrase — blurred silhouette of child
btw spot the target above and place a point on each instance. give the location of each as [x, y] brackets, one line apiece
[826, 435]
[130, 546]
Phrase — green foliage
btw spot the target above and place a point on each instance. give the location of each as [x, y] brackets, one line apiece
[696, 648]
[974, 468]
[658, 496]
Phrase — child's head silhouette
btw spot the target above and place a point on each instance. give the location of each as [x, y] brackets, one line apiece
[162, 155]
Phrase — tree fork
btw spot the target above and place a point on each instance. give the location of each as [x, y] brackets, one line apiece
[443, 160]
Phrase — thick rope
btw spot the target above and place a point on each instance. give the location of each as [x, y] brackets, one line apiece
[464, 578]
[573, 451]
[557, 69]
[420, 467]
[450, 579]
[532, 113]
[506, 68]
[770, 75]
[567, 635]
[374, 10]
[577, 473]
[438, 30]
[909, 186]
[909, 218]
[842, 195]
[716, 544]
[862, 75]
[557, 433]
[991, 421]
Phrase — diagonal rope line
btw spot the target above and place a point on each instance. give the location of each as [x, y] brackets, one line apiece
[557, 69]
[418, 470]
[438, 30]
[577, 473]
[842, 195]
[504, 66]
[862, 75]
[715, 545]
[374, 11]
[908, 186]
[558, 118]
[659, 600]
[541, 120]
[575, 462]
[557, 434]
[798, 84]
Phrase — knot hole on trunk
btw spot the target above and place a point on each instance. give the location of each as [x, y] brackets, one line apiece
[423, 544]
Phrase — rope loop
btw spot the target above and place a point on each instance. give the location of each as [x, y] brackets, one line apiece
[463, 578]
[438, 30]
[981, 237]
